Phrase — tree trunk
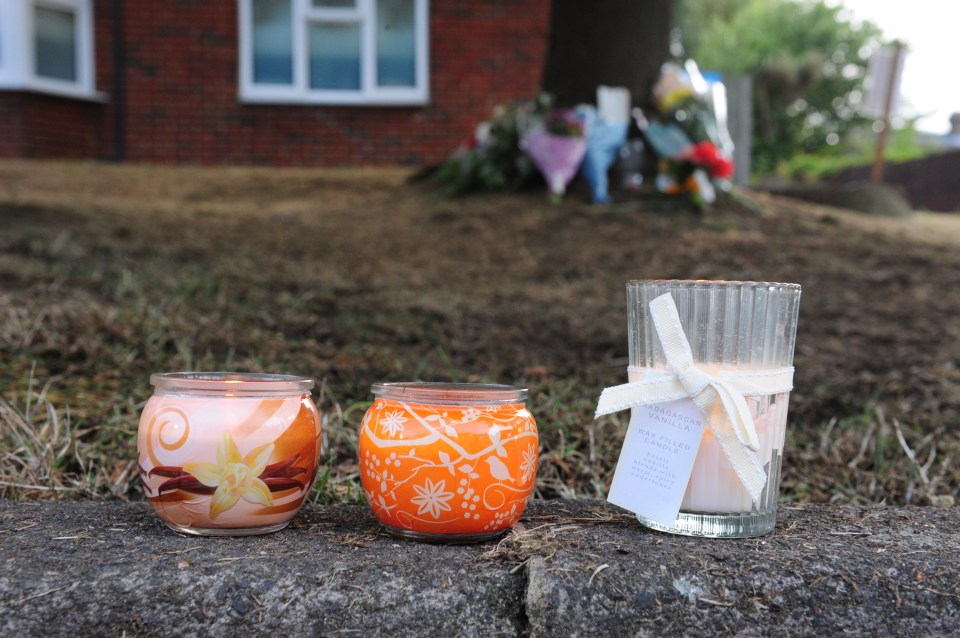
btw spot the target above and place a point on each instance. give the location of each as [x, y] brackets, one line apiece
[612, 42]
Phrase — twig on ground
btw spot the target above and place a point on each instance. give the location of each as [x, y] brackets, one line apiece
[597, 571]
[40, 595]
[910, 454]
[864, 445]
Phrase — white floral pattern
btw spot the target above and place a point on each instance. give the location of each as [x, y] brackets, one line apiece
[529, 463]
[414, 457]
[431, 498]
[393, 423]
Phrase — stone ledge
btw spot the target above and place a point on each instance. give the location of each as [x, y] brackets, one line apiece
[570, 568]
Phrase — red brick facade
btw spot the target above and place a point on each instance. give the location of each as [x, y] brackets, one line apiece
[179, 99]
[37, 125]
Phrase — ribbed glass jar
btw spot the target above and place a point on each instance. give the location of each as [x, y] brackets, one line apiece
[732, 326]
[448, 462]
[228, 454]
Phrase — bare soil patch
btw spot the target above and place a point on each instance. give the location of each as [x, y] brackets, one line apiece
[109, 273]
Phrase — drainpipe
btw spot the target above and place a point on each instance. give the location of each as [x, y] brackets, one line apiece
[119, 84]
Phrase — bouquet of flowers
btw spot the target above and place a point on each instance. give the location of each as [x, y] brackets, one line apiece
[694, 172]
[604, 139]
[556, 147]
[491, 158]
[684, 98]
[694, 148]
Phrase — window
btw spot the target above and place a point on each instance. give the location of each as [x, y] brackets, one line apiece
[334, 51]
[55, 43]
[47, 45]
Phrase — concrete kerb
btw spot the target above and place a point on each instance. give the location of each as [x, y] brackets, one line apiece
[570, 568]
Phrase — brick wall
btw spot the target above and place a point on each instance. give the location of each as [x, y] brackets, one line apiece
[11, 128]
[38, 125]
[180, 101]
[54, 127]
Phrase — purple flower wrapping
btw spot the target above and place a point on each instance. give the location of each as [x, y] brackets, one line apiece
[557, 156]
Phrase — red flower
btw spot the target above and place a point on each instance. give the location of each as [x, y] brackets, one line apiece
[709, 157]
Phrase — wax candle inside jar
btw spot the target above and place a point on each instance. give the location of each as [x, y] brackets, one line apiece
[739, 333]
[714, 486]
[448, 463]
[228, 454]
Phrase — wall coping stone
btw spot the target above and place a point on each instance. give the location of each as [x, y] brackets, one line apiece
[569, 568]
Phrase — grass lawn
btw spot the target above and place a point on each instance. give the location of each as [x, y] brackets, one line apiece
[109, 273]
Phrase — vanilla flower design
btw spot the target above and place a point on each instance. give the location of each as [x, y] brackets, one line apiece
[470, 414]
[529, 464]
[233, 476]
[431, 498]
[393, 422]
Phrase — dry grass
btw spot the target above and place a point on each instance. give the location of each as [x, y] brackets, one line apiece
[44, 454]
[110, 273]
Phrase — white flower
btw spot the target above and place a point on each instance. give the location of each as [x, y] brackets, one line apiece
[529, 464]
[382, 503]
[234, 476]
[393, 423]
[470, 414]
[431, 498]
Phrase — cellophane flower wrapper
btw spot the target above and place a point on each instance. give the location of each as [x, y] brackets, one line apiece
[604, 139]
[685, 99]
[558, 157]
[491, 158]
[686, 103]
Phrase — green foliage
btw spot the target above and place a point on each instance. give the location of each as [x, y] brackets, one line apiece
[808, 60]
[904, 145]
[469, 172]
[492, 159]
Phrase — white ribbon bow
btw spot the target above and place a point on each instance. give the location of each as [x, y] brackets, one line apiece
[729, 417]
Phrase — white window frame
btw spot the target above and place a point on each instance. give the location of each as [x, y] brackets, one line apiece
[17, 49]
[299, 92]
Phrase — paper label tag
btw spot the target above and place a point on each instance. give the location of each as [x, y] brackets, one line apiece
[657, 459]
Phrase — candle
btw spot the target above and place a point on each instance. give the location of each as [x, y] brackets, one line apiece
[448, 462]
[738, 333]
[714, 486]
[228, 454]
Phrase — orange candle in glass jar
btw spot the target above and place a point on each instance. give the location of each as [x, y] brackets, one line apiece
[448, 462]
[228, 454]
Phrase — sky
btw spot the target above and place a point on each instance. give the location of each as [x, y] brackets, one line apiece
[931, 76]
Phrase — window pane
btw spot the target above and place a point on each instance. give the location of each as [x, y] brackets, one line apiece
[335, 56]
[55, 44]
[396, 43]
[335, 3]
[272, 42]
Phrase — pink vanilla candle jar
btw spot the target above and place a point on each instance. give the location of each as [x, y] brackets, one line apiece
[228, 454]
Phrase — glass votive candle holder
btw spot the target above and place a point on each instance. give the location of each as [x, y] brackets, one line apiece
[448, 462]
[732, 327]
[228, 454]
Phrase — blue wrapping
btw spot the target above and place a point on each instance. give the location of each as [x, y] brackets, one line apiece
[603, 142]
